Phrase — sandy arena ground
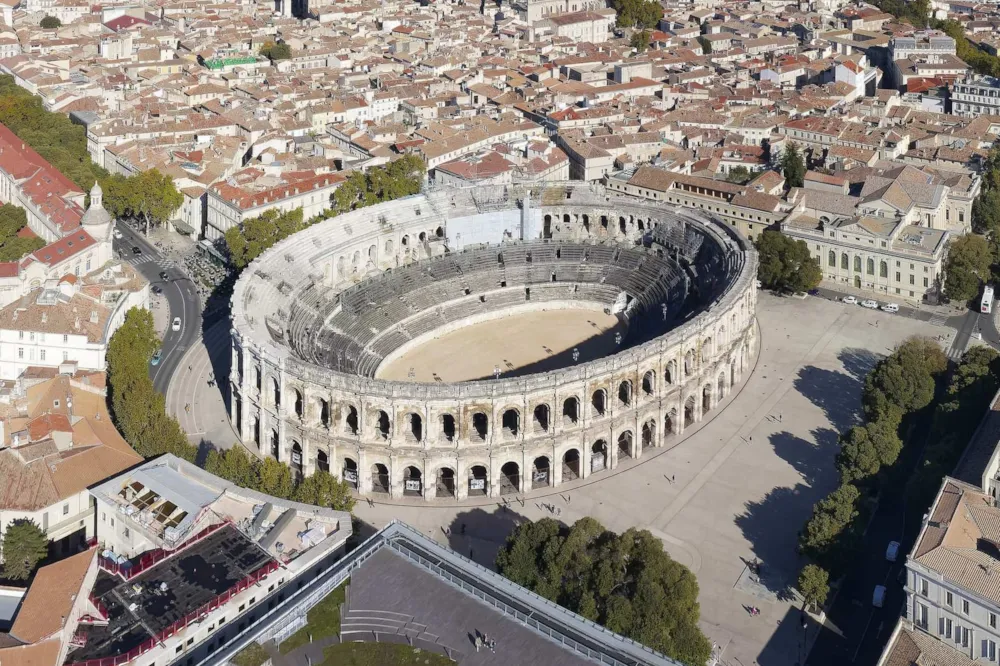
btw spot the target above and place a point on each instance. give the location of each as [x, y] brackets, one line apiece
[519, 344]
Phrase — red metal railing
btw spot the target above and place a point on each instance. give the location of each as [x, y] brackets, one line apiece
[180, 624]
[152, 557]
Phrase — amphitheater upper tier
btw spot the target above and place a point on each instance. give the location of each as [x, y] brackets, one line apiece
[643, 313]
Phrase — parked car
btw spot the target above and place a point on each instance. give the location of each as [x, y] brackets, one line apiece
[176, 325]
[163, 276]
[136, 250]
[118, 233]
[878, 596]
[890, 307]
[892, 551]
[156, 289]
[870, 304]
[156, 357]
[850, 300]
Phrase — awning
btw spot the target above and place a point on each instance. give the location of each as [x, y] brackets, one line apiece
[183, 227]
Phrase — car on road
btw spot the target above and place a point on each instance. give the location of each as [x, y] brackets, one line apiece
[156, 357]
[850, 300]
[156, 289]
[870, 304]
[164, 276]
[892, 551]
[136, 250]
[176, 325]
[118, 233]
[890, 307]
[878, 596]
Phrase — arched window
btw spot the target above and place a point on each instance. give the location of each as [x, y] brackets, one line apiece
[857, 264]
[883, 269]
[833, 259]
[871, 266]
[844, 262]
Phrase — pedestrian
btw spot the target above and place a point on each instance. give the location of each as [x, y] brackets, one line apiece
[463, 529]
[673, 478]
[478, 641]
[751, 439]
[472, 554]
[779, 417]
[493, 646]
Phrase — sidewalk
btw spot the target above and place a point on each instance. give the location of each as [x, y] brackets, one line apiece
[842, 289]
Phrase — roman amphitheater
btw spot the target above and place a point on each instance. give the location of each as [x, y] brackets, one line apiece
[488, 341]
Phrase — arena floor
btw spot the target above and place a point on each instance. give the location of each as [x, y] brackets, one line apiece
[522, 343]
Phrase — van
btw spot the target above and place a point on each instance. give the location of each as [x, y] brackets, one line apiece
[890, 307]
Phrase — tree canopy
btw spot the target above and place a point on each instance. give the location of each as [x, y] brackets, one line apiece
[637, 13]
[866, 449]
[814, 585]
[739, 174]
[53, 135]
[249, 240]
[148, 195]
[785, 263]
[640, 40]
[967, 267]
[831, 516]
[625, 582]
[138, 409]
[12, 247]
[24, 546]
[276, 51]
[903, 381]
[793, 166]
[50, 22]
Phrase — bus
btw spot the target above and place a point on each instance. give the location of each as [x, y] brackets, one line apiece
[986, 306]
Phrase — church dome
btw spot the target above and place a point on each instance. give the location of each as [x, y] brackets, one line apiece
[96, 215]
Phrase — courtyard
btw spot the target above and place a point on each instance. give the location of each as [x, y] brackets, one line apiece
[735, 488]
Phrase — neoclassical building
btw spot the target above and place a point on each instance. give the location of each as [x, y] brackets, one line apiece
[316, 317]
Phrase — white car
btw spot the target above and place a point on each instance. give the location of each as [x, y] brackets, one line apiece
[870, 304]
[850, 300]
[890, 307]
[176, 325]
[118, 233]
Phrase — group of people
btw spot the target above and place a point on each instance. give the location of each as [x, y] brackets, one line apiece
[482, 640]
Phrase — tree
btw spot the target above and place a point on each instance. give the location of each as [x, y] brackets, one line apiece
[249, 240]
[857, 458]
[903, 381]
[793, 166]
[967, 266]
[148, 195]
[276, 51]
[784, 264]
[637, 13]
[640, 40]
[323, 489]
[814, 586]
[275, 478]
[234, 465]
[24, 546]
[831, 516]
[706, 46]
[739, 174]
[50, 23]
[626, 582]
[12, 246]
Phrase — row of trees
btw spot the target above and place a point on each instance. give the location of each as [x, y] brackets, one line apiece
[638, 13]
[149, 196]
[900, 384]
[53, 135]
[12, 246]
[138, 410]
[275, 478]
[625, 582]
[785, 265]
[980, 61]
[400, 178]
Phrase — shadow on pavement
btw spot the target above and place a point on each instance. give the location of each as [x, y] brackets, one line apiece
[858, 362]
[790, 641]
[813, 460]
[836, 393]
[479, 534]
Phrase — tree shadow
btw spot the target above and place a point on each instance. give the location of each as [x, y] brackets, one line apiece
[837, 393]
[788, 645]
[479, 534]
[813, 460]
[858, 362]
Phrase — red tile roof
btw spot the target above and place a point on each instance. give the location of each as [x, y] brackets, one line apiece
[64, 248]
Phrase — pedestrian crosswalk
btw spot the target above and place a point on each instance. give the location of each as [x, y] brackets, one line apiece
[137, 260]
[938, 320]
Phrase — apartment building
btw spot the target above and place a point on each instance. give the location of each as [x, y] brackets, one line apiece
[976, 96]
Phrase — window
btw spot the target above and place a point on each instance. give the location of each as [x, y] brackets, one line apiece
[125, 533]
[65, 355]
[948, 600]
[41, 355]
[883, 269]
[965, 606]
[65, 509]
[20, 352]
[961, 216]
[898, 277]
[925, 282]
[179, 648]
[911, 279]
[65, 339]
[833, 259]
[947, 628]
[993, 620]
[871, 266]
[857, 264]
[20, 335]
[844, 262]
[31, 336]
[965, 637]
[923, 587]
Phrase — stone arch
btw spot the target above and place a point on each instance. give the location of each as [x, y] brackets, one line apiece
[689, 362]
[510, 478]
[351, 423]
[571, 410]
[298, 403]
[380, 478]
[382, 425]
[857, 263]
[707, 399]
[349, 472]
[322, 410]
[296, 462]
[622, 228]
[571, 462]
[670, 372]
[415, 427]
[480, 427]
[845, 262]
[721, 386]
[599, 401]
[707, 350]
[670, 423]
[690, 411]
[510, 422]
[479, 479]
[648, 436]
[541, 472]
[883, 269]
[413, 481]
[341, 267]
[322, 461]
[371, 254]
[649, 383]
[445, 482]
[388, 247]
[626, 442]
[598, 455]
[625, 393]
[275, 392]
[541, 417]
[448, 427]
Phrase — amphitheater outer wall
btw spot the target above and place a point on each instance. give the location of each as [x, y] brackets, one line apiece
[394, 437]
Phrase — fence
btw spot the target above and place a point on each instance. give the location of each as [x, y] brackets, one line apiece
[127, 570]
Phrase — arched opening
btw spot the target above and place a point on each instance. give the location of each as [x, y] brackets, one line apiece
[388, 248]
[670, 374]
[883, 269]
[276, 392]
[256, 431]
[688, 363]
[648, 383]
[621, 225]
[870, 266]
[382, 425]
[857, 264]
[448, 427]
[670, 423]
[412, 482]
[356, 260]
[732, 373]
[844, 261]
[296, 463]
[415, 427]
[380, 478]
[350, 473]
[480, 426]
[707, 350]
[566, 218]
[604, 223]
[324, 412]
[322, 462]
[341, 267]
[721, 385]
[445, 483]
[439, 232]
[706, 399]
[510, 478]
[598, 455]
[586, 223]
[571, 465]
[422, 237]
[404, 241]
[571, 410]
[625, 393]
[648, 434]
[690, 410]
[832, 259]
[275, 448]
[478, 481]
[600, 402]
[547, 227]
[541, 418]
[511, 423]
[625, 442]
[351, 421]
[371, 254]
[298, 403]
[540, 472]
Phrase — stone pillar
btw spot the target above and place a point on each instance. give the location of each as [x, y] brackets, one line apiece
[555, 470]
[430, 485]
[461, 480]
[612, 459]
[395, 479]
[584, 458]
[494, 479]
[364, 473]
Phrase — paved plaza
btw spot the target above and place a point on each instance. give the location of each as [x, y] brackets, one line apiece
[746, 478]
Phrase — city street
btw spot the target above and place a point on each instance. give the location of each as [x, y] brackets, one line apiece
[179, 293]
